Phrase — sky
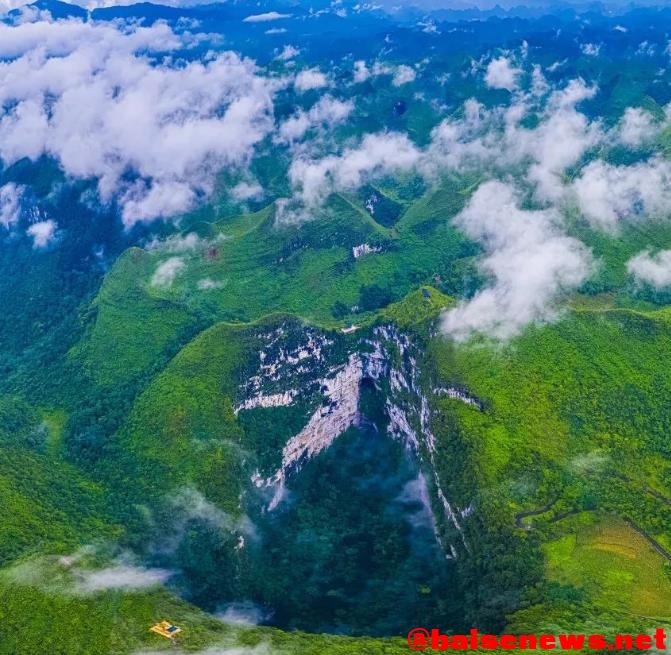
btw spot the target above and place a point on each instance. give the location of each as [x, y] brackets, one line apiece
[391, 5]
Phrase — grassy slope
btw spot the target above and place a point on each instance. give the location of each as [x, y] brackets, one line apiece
[576, 420]
[258, 268]
[48, 506]
[182, 429]
[35, 621]
[567, 405]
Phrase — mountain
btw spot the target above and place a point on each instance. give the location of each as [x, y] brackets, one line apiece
[323, 323]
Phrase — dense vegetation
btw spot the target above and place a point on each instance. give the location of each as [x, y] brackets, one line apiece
[121, 426]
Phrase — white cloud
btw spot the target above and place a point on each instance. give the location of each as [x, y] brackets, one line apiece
[490, 141]
[287, 53]
[177, 243]
[10, 204]
[378, 154]
[560, 140]
[265, 18]
[361, 72]
[531, 262]
[262, 649]
[247, 191]
[74, 574]
[326, 113]
[653, 269]
[43, 233]
[121, 576]
[310, 79]
[403, 75]
[167, 271]
[428, 27]
[590, 49]
[87, 95]
[242, 614]
[539, 84]
[207, 284]
[189, 504]
[636, 127]
[501, 74]
[495, 139]
[608, 195]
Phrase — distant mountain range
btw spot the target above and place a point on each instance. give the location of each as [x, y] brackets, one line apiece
[444, 10]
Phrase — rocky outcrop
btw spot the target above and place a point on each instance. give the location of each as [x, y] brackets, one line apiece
[364, 249]
[273, 400]
[459, 394]
[338, 413]
[387, 358]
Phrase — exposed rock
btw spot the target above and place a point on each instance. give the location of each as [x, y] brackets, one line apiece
[389, 359]
[273, 400]
[326, 424]
[365, 249]
[459, 394]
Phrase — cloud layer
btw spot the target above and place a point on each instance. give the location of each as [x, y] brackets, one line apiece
[152, 133]
[123, 105]
[529, 260]
[652, 269]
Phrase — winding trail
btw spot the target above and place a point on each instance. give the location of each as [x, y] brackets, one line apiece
[653, 542]
[520, 516]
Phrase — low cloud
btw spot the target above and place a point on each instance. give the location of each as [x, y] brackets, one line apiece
[76, 574]
[609, 195]
[378, 154]
[637, 127]
[178, 243]
[153, 134]
[265, 18]
[501, 74]
[361, 72]
[43, 233]
[167, 271]
[590, 49]
[208, 284]
[242, 614]
[247, 191]
[121, 576]
[528, 258]
[190, 504]
[493, 142]
[326, 113]
[310, 79]
[403, 75]
[261, 649]
[288, 53]
[654, 269]
[10, 204]
[559, 142]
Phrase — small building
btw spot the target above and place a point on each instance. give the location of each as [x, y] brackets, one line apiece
[425, 293]
[166, 629]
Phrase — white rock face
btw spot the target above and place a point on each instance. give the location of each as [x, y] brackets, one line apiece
[326, 424]
[399, 426]
[458, 394]
[417, 413]
[272, 400]
[365, 249]
[407, 407]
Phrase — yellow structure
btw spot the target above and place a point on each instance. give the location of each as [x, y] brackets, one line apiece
[166, 629]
